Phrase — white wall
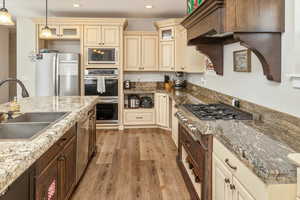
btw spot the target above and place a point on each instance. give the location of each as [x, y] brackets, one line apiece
[25, 46]
[141, 24]
[4, 63]
[253, 86]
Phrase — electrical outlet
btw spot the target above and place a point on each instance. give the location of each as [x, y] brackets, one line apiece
[235, 103]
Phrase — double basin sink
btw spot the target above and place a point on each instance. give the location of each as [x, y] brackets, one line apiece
[28, 125]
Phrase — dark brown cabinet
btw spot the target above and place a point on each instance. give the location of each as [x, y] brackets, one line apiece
[56, 169]
[22, 188]
[92, 133]
[67, 162]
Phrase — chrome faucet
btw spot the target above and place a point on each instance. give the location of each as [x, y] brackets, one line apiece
[24, 90]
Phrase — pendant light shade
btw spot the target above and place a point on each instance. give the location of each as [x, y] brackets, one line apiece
[46, 31]
[5, 17]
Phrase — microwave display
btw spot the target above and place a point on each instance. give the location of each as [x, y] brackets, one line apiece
[101, 56]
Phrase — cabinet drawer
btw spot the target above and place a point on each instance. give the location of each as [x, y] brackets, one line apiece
[45, 159]
[139, 117]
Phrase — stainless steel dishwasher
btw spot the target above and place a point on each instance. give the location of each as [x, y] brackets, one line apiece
[82, 146]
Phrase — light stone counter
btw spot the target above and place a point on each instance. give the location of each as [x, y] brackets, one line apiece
[17, 156]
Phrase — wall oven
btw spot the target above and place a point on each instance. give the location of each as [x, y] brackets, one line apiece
[102, 55]
[107, 110]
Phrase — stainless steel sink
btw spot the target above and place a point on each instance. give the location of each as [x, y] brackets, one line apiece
[21, 130]
[28, 125]
[38, 117]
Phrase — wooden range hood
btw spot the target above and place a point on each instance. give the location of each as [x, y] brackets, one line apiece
[256, 24]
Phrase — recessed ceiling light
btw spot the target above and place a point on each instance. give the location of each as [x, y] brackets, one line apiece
[76, 5]
[148, 6]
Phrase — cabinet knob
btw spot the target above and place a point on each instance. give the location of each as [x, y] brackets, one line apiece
[197, 179]
[227, 180]
[61, 158]
[232, 187]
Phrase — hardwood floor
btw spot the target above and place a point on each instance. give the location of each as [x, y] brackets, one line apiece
[133, 164]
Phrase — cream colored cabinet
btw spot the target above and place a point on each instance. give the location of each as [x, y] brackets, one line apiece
[174, 123]
[139, 116]
[162, 109]
[101, 35]
[175, 54]
[62, 31]
[141, 51]
[132, 51]
[110, 35]
[221, 181]
[167, 56]
[233, 180]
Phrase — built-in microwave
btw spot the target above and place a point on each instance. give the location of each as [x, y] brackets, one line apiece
[102, 55]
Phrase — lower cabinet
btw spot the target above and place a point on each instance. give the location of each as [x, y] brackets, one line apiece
[175, 123]
[56, 169]
[232, 180]
[162, 109]
[22, 188]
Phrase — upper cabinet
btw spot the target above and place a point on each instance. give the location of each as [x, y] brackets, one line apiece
[101, 35]
[174, 53]
[61, 31]
[141, 51]
[256, 24]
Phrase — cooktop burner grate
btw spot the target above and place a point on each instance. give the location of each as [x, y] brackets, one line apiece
[217, 112]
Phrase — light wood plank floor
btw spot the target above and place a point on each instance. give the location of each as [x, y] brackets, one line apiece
[133, 164]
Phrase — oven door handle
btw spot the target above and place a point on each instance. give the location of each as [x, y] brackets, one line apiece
[95, 77]
[107, 101]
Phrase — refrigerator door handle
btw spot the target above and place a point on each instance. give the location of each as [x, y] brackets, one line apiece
[57, 82]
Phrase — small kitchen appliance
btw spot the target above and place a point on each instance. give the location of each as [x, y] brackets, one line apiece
[134, 101]
[146, 102]
[179, 81]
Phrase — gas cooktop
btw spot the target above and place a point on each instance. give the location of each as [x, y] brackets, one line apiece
[217, 112]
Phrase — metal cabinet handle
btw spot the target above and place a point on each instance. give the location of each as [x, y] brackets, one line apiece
[61, 158]
[197, 179]
[227, 180]
[232, 187]
[139, 117]
[228, 163]
[4, 192]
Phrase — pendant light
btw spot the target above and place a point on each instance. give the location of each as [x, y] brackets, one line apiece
[46, 31]
[5, 16]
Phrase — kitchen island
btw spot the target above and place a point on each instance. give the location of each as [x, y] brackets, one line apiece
[16, 156]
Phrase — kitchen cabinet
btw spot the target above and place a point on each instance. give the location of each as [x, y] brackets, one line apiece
[167, 56]
[141, 51]
[174, 53]
[56, 169]
[22, 188]
[92, 133]
[62, 31]
[101, 35]
[67, 161]
[162, 109]
[139, 116]
[233, 180]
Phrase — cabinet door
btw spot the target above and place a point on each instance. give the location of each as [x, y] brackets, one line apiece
[166, 33]
[132, 53]
[92, 36]
[68, 169]
[149, 53]
[110, 35]
[69, 31]
[162, 110]
[55, 34]
[47, 182]
[221, 181]
[167, 56]
[21, 189]
[240, 192]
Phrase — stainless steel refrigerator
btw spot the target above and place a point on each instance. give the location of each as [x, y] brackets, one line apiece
[57, 74]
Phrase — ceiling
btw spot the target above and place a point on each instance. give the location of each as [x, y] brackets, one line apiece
[99, 8]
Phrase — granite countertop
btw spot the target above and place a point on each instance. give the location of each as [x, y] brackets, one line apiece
[263, 148]
[17, 156]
